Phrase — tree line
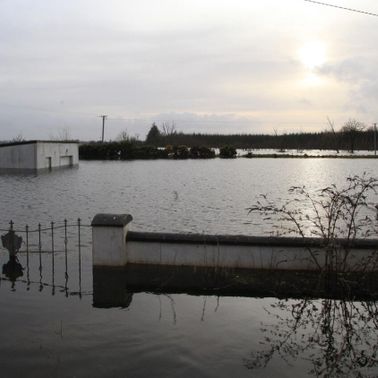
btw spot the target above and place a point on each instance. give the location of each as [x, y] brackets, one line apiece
[352, 136]
[167, 143]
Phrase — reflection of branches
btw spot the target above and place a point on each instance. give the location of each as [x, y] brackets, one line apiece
[338, 337]
[203, 309]
[172, 303]
[160, 308]
[217, 306]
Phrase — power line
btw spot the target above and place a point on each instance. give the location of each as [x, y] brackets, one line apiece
[344, 8]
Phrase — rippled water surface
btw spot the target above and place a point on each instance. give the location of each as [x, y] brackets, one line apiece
[208, 196]
[49, 323]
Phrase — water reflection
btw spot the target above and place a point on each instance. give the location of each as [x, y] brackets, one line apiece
[110, 285]
[337, 335]
[12, 242]
[114, 287]
[13, 270]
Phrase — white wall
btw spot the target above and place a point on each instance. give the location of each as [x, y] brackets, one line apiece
[233, 256]
[54, 155]
[39, 155]
[111, 247]
[257, 257]
[20, 156]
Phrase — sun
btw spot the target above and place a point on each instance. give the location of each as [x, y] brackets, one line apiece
[312, 54]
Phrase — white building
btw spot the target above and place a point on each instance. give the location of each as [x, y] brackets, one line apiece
[38, 155]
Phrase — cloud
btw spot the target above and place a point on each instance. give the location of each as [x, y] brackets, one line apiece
[353, 70]
[359, 76]
[215, 65]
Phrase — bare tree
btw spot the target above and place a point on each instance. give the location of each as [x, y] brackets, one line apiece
[18, 138]
[124, 136]
[353, 125]
[332, 126]
[351, 129]
[63, 134]
[168, 128]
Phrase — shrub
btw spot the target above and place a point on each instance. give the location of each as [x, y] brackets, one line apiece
[181, 152]
[201, 153]
[333, 214]
[227, 152]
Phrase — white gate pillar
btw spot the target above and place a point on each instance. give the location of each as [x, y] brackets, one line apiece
[109, 239]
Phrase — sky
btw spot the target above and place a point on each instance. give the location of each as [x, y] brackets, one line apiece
[209, 66]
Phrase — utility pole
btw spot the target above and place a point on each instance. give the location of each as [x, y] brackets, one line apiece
[104, 116]
[375, 139]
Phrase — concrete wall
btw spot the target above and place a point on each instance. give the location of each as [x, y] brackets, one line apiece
[109, 246]
[109, 239]
[232, 256]
[114, 246]
[221, 256]
[38, 155]
[20, 156]
[56, 155]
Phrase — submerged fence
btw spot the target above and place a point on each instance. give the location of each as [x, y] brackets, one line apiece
[53, 251]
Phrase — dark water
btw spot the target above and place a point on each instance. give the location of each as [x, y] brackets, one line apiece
[50, 325]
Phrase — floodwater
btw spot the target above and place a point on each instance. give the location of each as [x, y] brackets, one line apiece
[50, 325]
[202, 196]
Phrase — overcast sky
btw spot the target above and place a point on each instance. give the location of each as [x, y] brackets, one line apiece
[209, 66]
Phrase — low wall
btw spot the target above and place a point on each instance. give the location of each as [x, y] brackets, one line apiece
[114, 245]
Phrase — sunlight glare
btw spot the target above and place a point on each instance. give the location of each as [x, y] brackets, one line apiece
[313, 54]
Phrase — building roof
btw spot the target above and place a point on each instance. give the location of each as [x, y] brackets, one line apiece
[37, 141]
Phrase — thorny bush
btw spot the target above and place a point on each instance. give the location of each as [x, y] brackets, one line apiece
[336, 215]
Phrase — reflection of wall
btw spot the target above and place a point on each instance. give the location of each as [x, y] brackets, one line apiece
[36, 155]
[114, 287]
[110, 288]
